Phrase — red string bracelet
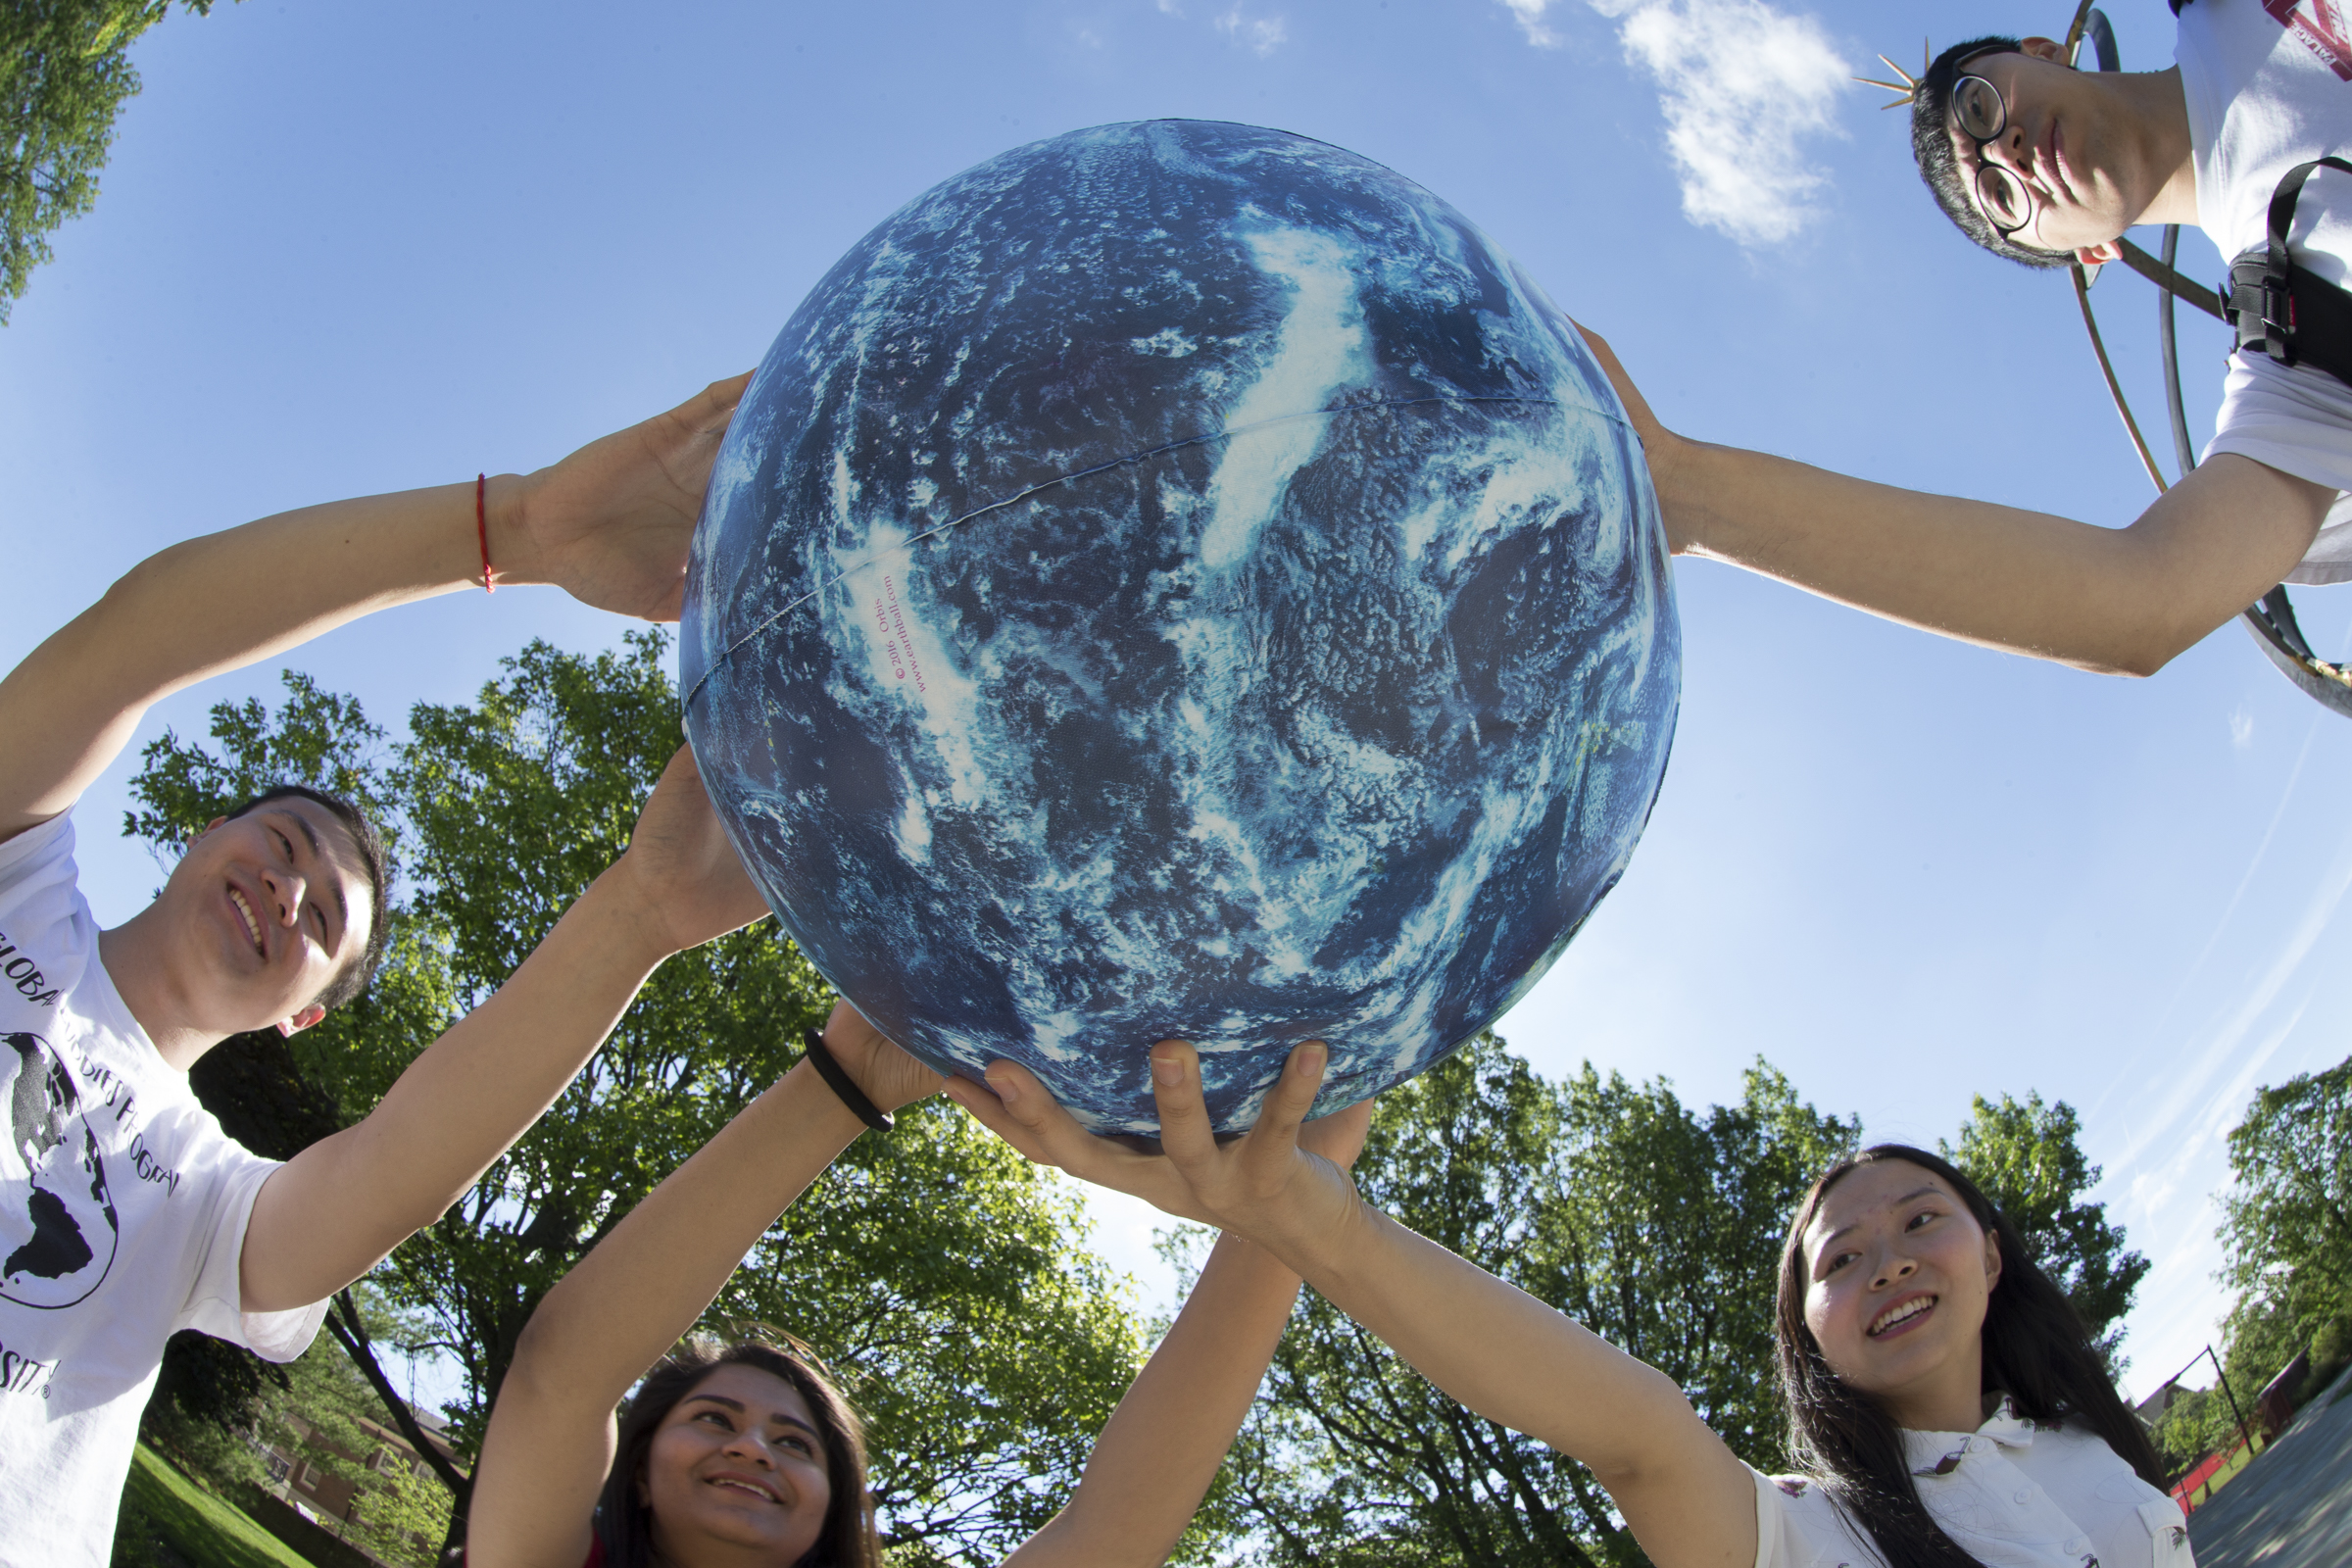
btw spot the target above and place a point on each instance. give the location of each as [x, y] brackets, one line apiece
[481, 527]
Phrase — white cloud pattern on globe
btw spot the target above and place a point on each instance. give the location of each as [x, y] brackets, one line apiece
[1180, 579]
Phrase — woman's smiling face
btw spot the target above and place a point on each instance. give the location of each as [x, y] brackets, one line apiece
[737, 1462]
[1897, 1276]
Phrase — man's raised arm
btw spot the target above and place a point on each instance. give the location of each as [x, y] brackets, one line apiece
[335, 1210]
[609, 523]
[2117, 601]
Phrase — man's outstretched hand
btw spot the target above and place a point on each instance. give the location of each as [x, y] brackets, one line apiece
[1288, 1178]
[610, 524]
[1661, 448]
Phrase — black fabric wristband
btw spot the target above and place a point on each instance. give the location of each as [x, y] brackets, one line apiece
[844, 1086]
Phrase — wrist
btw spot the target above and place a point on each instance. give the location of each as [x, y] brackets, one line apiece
[1317, 1245]
[506, 500]
[809, 1090]
[1684, 474]
[1252, 1262]
[844, 1084]
[1301, 1235]
[615, 901]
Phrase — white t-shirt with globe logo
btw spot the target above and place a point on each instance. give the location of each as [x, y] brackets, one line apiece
[123, 1211]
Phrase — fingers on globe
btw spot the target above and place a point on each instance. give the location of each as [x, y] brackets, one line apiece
[1014, 1106]
[1301, 1081]
[1291, 1097]
[985, 1109]
[1185, 1133]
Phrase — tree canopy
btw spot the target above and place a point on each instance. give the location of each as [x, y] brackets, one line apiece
[64, 72]
[2289, 1228]
[2029, 1159]
[2286, 1235]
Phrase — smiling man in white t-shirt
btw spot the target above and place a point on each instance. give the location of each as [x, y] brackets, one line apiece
[124, 1212]
[2046, 165]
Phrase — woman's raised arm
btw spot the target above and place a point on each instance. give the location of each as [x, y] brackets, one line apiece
[625, 1305]
[1162, 1448]
[1491, 1346]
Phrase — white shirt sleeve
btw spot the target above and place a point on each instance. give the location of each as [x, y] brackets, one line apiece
[2299, 422]
[1799, 1526]
[214, 1303]
[1770, 1551]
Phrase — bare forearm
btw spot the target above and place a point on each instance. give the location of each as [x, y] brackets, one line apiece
[644, 1285]
[1487, 1344]
[1497, 1350]
[1162, 1446]
[2118, 601]
[343, 1203]
[216, 604]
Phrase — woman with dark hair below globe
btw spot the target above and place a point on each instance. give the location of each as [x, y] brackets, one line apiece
[748, 1454]
[1947, 1406]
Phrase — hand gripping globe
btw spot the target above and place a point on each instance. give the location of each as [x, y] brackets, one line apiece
[1180, 579]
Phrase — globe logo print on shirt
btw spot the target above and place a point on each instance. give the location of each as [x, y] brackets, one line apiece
[1180, 578]
[57, 1226]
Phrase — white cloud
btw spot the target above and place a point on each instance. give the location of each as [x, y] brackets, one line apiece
[1531, 19]
[1743, 86]
[2241, 729]
[1261, 36]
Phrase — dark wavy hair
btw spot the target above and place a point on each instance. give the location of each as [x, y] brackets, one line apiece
[2036, 1351]
[1940, 166]
[625, 1523]
[369, 844]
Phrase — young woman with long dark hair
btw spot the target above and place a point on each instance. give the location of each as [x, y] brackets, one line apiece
[746, 1456]
[1945, 1403]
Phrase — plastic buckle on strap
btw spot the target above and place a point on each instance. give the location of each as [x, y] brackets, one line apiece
[2261, 308]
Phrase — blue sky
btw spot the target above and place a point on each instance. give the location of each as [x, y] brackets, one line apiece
[348, 246]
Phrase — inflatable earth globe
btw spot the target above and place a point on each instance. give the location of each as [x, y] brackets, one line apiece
[1180, 579]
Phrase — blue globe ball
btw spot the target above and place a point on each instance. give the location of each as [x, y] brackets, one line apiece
[1180, 579]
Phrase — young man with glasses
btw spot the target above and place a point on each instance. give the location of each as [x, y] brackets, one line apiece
[2045, 165]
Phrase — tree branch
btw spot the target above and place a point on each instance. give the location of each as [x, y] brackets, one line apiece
[343, 1322]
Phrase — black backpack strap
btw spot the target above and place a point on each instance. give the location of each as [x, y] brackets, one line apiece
[2279, 308]
[2161, 273]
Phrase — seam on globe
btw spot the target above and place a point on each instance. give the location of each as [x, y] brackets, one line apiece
[1044, 486]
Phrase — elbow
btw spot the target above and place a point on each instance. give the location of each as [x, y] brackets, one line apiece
[537, 1349]
[1071, 1537]
[2134, 664]
[2151, 656]
[1659, 1437]
[156, 575]
[2139, 654]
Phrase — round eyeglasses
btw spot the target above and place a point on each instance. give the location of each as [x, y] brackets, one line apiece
[1982, 115]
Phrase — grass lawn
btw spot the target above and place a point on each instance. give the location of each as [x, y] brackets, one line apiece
[200, 1527]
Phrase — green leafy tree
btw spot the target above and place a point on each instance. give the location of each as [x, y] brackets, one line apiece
[2027, 1157]
[323, 1414]
[2287, 1238]
[2288, 1225]
[1656, 1227]
[64, 70]
[946, 1280]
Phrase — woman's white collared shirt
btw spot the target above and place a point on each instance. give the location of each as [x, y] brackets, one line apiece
[2010, 1493]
